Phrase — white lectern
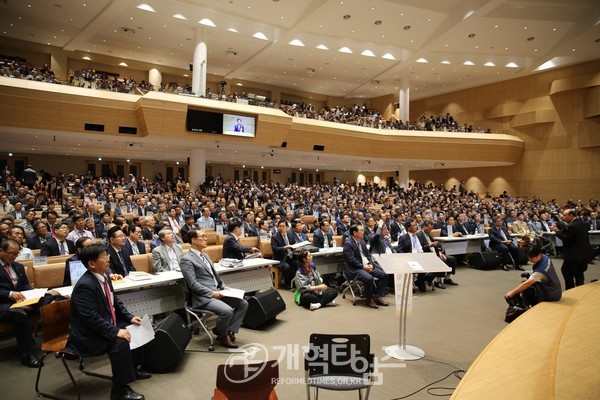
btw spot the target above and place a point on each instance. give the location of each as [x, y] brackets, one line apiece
[407, 264]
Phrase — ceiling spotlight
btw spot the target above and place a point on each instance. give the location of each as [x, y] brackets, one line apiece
[378, 22]
[99, 158]
[471, 35]
[347, 16]
[406, 27]
[530, 38]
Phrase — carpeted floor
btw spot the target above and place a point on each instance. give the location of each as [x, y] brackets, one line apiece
[452, 326]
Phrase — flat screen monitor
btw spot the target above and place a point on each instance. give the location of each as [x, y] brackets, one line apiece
[76, 269]
[239, 125]
[204, 121]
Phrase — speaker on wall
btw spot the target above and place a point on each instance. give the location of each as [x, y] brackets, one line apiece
[94, 127]
[283, 144]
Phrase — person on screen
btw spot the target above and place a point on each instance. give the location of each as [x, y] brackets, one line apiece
[239, 127]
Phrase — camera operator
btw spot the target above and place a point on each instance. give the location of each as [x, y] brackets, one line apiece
[576, 247]
[542, 285]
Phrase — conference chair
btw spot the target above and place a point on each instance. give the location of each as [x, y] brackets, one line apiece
[353, 286]
[247, 381]
[338, 362]
[55, 321]
[197, 318]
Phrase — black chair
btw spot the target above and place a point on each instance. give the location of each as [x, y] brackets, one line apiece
[198, 319]
[338, 362]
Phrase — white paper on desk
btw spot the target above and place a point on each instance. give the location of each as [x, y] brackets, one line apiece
[233, 292]
[34, 293]
[141, 334]
[300, 244]
[65, 291]
[415, 266]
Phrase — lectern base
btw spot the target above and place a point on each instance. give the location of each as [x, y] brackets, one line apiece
[407, 353]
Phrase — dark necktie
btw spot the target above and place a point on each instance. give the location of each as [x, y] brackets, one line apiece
[110, 303]
[63, 250]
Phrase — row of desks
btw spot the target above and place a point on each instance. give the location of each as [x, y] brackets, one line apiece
[165, 291]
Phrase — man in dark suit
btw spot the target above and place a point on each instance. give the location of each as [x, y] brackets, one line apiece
[102, 225]
[281, 243]
[133, 244]
[322, 237]
[59, 245]
[298, 232]
[13, 281]
[342, 224]
[501, 241]
[38, 236]
[359, 265]
[248, 225]
[576, 247]
[120, 262]
[410, 243]
[98, 321]
[231, 247]
[205, 285]
[428, 244]
[380, 239]
[397, 227]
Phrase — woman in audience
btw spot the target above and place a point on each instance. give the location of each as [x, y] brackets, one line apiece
[312, 291]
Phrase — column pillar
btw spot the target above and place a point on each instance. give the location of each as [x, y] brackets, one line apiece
[199, 63]
[155, 78]
[403, 177]
[197, 168]
[59, 63]
[404, 100]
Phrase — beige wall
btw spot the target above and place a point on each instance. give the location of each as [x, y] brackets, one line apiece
[549, 113]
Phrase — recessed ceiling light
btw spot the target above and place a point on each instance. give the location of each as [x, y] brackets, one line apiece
[123, 64]
[179, 16]
[86, 58]
[468, 63]
[368, 53]
[422, 60]
[233, 30]
[445, 62]
[530, 38]
[512, 65]
[471, 35]
[322, 47]
[260, 35]
[345, 50]
[388, 56]
[489, 64]
[146, 7]
[207, 22]
[296, 42]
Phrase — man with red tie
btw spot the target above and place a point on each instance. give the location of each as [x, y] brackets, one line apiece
[98, 321]
[12, 282]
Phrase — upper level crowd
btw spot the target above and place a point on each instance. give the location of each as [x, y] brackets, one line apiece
[356, 115]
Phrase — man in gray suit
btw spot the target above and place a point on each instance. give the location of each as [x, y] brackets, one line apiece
[166, 257]
[205, 285]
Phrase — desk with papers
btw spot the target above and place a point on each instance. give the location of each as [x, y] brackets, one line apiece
[465, 244]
